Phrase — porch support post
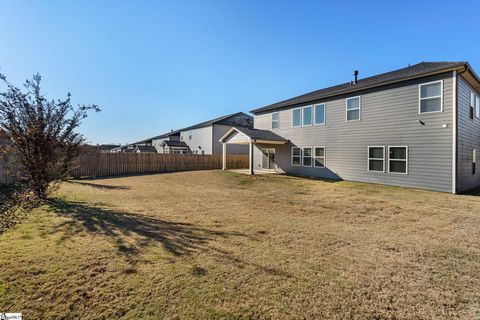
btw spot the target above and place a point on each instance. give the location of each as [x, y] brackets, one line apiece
[250, 158]
[224, 160]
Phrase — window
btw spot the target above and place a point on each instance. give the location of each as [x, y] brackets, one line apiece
[296, 117]
[190, 135]
[307, 157]
[376, 159]
[477, 107]
[320, 114]
[353, 109]
[319, 157]
[430, 97]
[307, 116]
[296, 156]
[398, 160]
[474, 161]
[275, 120]
[472, 104]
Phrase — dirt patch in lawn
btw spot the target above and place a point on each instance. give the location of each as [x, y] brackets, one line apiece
[219, 245]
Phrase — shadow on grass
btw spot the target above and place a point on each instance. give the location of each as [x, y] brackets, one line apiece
[178, 238]
[131, 232]
[99, 186]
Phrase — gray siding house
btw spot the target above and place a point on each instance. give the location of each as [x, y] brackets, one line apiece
[201, 138]
[415, 127]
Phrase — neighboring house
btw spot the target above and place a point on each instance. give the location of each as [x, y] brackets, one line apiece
[415, 127]
[174, 146]
[107, 148]
[201, 138]
[125, 149]
[145, 149]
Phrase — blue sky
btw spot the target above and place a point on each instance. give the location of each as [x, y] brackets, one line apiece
[153, 66]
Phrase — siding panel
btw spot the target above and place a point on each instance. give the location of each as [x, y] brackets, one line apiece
[468, 139]
[389, 117]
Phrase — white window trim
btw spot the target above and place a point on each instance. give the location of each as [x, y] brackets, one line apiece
[311, 156]
[324, 157]
[368, 159]
[406, 160]
[291, 157]
[359, 109]
[420, 96]
[477, 106]
[311, 115]
[301, 117]
[277, 121]
[324, 114]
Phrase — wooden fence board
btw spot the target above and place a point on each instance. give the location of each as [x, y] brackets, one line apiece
[114, 164]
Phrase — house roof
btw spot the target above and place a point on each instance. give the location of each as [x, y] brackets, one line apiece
[228, 120]
[415, 71]
[149, 149]
[174, 143]
[257, 135]
[107, 147]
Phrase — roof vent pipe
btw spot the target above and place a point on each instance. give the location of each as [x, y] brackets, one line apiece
[355, 74]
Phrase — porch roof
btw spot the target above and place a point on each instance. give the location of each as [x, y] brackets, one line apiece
[243, 135]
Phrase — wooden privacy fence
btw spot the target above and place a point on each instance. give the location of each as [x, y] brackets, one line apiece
[112, 164]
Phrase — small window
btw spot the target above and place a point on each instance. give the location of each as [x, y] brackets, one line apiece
[275, 120]
[296, 156]
[472, 105]
[398, 160]
[190, 135]
[320, 114]
[353, 109]
[376, 159]
[319, 157]
[474, 161]
[477, 106]
[431, 97]
[296, 117]
[307, 157]
[307, 116]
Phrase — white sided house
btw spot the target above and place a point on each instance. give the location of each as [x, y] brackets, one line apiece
[414, 127]
[201, 138]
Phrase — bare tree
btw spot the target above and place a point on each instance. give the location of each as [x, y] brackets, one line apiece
[41, 134]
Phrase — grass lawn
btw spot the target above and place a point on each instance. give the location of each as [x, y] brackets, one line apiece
[219, 245]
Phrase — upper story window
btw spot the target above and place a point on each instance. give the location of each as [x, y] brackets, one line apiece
[307, 116]
[296, 117]
[477, 106]
[353, 106]
[471, 109]
[190, 133]
[319, 113]
[431, 97]
[275, 120]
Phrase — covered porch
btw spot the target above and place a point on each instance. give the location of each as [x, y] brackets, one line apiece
[250, 137]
